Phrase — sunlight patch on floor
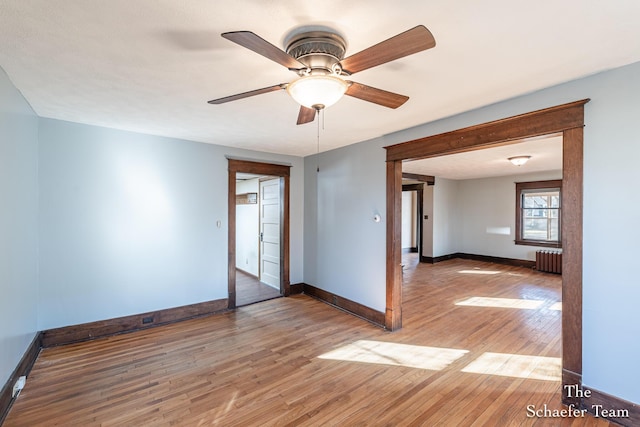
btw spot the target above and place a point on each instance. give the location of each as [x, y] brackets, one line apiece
[478, 271]
[388, 353]
[556, 306]
[517, 365]
[527, 304]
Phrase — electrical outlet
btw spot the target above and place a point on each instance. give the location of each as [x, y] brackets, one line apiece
[146, 320]
[18, 386]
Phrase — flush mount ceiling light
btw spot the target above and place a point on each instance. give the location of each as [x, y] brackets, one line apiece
[319, 86]
[318, 91]
[519, 160]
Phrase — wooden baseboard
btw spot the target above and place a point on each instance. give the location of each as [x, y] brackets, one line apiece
[433, 260]
[498, 260]
[296, 288]
[23, 369]
[409, 250]
[603, 405]
[352, 307]
[120, 325]
[485, 258]
[570, 378]
[597, 403]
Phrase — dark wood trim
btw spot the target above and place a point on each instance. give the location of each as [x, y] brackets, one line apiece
[530, 185]
[496, 133]
[551, 183]
[595, 397]
[351, 307]
[428, 179]
[413, 250]
[600, 402]
[484, 258]
[393, 311]
[136, 322]
[433, 260]
[572, 179]
[412, 187]
[23, 369]
[297, 288]
[231, 238]
[259, 168]
[538, 243]
[568, 119]
[571, 378]
[498, 260]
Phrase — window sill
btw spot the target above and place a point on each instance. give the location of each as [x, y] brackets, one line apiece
[539, 243]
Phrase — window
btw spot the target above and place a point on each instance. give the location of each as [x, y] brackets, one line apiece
[538, 215]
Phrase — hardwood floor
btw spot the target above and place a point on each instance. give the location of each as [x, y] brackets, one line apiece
[250, 290]
[458, 361]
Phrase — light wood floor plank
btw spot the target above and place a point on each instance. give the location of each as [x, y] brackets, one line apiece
[266, 364]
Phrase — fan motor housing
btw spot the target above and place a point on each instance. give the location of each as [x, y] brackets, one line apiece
[321, 51]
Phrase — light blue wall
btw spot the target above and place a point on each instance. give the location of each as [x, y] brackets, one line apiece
[611, 213]
[479, 216]
[446, 217]
[128, 222]
[18, 226]
[344, 248]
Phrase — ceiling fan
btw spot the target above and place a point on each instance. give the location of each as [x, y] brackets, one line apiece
[318, 59]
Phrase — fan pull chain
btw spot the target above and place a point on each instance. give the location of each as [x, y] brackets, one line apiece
[318, 142]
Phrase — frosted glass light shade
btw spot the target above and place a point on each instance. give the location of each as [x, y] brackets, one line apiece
[317, 91]
[519, 160]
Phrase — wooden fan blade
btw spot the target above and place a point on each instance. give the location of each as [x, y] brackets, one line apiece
[247, 94]
[259, 45]
[412, 41]
[306, 115]
[377, 96]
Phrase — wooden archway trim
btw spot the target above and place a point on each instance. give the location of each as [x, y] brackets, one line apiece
[258, 168]
[567, 119]
[541, 122]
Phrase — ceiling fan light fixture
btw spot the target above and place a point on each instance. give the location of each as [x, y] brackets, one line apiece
[519, 160]
[317, 91]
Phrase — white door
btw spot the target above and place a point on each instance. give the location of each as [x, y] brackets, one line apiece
[270, 232]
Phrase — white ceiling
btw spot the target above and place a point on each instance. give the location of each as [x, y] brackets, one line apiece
[150, 65]
[545, 152]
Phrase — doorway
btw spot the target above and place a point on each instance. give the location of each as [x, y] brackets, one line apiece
[258, 238]
[412, 208]
[567, 119]
[273, 226]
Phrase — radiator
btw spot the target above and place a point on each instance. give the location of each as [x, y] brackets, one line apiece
[549, 261]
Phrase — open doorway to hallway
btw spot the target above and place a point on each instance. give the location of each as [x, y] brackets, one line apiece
[258, 233]
[258, 206]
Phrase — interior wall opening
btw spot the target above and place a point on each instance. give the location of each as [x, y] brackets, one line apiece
[258, 208]
[473, 272]
[567, 119]
[258, 231]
